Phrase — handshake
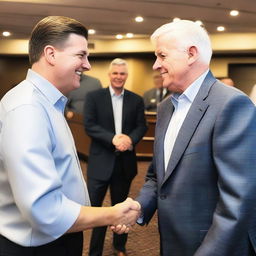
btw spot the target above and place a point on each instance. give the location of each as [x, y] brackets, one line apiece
[126, 215]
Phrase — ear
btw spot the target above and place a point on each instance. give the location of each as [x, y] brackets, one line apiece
[193, 54]
[50, 54]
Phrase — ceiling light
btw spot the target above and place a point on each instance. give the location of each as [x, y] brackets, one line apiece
[234, 13]
[199, 22]
[91, 31]
[119, 36]
[139, 19]
[176, 19]
[129, 35]
[220, 28]
[6, 33]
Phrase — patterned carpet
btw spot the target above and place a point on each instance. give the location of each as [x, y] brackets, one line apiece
[142, 241]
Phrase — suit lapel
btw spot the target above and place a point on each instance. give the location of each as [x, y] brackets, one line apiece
[163, 119]
[192, 120]
[125, 110]
[108, 108]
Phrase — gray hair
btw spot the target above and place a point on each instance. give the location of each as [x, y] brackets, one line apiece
[187, 33]
[118, 62]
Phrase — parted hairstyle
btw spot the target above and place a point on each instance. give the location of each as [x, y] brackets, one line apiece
[186, 33]
[53, 30]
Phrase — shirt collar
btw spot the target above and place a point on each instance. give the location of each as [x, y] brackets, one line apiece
[192, 90]
[112, 92]
[50, 92]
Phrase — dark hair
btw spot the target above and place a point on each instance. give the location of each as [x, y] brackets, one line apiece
[52, 30]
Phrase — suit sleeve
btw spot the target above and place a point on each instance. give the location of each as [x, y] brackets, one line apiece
[92, 128]
[140, 127]
[148, 195]
[234, 155]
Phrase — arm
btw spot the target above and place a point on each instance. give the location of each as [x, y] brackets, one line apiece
[125, 213]
[234, 155]
[148, 195]
[140, 127]
[35, 182]
[91, 123]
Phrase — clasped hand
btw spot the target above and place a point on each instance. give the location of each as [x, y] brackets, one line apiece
[127, 214]
[122, 142]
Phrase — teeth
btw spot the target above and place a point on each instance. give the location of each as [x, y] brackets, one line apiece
[79, 73]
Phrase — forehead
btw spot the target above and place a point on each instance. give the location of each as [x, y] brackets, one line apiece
[164, 43]
[119, 69]
[77, 41]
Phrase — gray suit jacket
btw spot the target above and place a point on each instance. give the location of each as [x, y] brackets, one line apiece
[206, 198]
[76, 98]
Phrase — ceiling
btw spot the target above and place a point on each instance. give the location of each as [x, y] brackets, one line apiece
[111, 17]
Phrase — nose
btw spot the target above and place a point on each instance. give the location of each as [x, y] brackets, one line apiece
[156, 65]
[86, 65]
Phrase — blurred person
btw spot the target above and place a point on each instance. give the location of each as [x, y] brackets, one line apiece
[155, 95]
[202, 177]
[227, 81]
[253, 94]
[115, 121]
[44, 203]
[76, 98]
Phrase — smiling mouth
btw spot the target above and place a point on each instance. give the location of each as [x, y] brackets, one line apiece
[79, 73]
[163, 73]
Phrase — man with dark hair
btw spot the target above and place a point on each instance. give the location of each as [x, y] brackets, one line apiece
[44, 203]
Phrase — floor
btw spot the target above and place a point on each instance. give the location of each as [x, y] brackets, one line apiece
[142, 241]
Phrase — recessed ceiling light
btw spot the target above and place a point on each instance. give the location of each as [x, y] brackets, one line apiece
[234, 13]
[176, 19]
[6, 33]
[91, 31]
[119, 36]
[139, 19]
[220, 28]
[129, 35]
[199, 22]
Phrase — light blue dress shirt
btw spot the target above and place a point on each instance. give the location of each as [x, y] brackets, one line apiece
[182, 103]
[41, 183]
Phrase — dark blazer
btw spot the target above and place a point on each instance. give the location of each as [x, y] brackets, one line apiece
[76, 98]
[99, 125]
[206, 198]
[151, 99]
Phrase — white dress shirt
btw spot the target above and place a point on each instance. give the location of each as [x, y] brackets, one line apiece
[41, 183]
[182, 103]
[117, 104]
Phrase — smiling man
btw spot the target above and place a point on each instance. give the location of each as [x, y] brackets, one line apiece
[44, 203]
[115, 121]
[202, 177]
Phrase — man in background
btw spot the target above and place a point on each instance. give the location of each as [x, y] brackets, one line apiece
[76, 98]
[44, 203]
[115, 121]
[227, 81]
[202, 177]
[155, 95]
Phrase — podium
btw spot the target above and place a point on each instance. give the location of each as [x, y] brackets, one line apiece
[144, 149]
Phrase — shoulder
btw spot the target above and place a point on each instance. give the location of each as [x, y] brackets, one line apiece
[22, 94]
[131, 94]
[98, 92]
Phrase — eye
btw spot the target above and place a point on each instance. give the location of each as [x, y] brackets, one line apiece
[162, 56]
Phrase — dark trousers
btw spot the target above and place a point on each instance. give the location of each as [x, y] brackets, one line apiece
[67, 245]
[119, 189]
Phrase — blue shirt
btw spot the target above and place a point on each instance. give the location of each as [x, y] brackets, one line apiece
[182, 103]
[41, 183]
